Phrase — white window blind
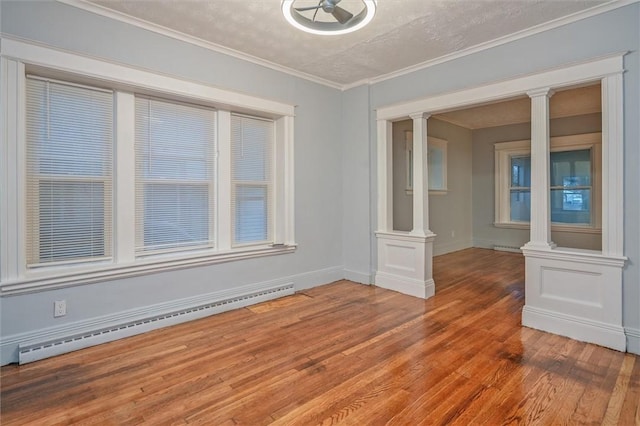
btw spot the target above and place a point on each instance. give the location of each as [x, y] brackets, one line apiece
[252, 142]
[175, 150]
[69, 151]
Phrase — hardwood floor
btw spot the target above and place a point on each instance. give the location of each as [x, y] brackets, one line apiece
[343, 353]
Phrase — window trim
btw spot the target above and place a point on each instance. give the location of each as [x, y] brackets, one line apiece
[505, 150]
[408, 149]
[18, 58]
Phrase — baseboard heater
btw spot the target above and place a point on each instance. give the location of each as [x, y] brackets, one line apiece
[512, 249]
[34, 351]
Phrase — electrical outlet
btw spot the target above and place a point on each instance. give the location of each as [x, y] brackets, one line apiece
[453, 234]
[59, 308]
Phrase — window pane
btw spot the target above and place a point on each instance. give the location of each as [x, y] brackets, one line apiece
[436, 168]
[571, 206]
[175, 145]
[571, 168]
[71, 220]
[69, 131]
[521, 172]
[251, 214]
[175, 215]
[251, 170]
[520, 205]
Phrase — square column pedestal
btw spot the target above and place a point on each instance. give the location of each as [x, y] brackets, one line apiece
[575, 293]
[405, 263]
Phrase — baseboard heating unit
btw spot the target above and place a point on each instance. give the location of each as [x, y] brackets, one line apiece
[512, 249]
[70, 339]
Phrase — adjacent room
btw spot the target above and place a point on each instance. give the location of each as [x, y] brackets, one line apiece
[319, 212]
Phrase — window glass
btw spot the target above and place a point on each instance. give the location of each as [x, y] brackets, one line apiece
[174, 175]
[252, 186]
[69, 130]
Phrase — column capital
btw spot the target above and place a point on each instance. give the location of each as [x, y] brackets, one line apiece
[543, 91]
[419, 115]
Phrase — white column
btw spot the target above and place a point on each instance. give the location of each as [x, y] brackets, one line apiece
[540, 147]
[385, 176]
[612, 166]
[420, 176]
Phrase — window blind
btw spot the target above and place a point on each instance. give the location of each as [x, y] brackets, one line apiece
[69, 155]
[251, 179]
[175, 148]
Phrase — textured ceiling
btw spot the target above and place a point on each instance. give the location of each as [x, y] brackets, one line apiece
[402, 34]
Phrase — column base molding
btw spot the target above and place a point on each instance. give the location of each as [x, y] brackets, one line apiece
[405, 263]
[575, 293]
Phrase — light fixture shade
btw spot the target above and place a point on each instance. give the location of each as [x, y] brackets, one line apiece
[303, 23]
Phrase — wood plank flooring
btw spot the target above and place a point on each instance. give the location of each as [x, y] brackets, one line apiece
[343, 353]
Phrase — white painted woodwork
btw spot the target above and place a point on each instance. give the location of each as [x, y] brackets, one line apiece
[19, 57]
[385, 176]
[420, 176]
[577, 293]
[612, 166]
[557, 78]
[125, 192]
[504, 151]
[405, 263]
[423, 45]
[540, 148]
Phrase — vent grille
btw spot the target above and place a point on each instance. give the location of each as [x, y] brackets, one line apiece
[512, 249]
[34, 351]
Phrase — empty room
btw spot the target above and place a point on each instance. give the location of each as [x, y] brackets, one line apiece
[302, 212]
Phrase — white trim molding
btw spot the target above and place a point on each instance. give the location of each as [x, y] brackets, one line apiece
[569, 75]
[405, 263]
[570, 292]
[159, 29]
[18, 58]
[633, 340]
[51, 341]
[575, 293]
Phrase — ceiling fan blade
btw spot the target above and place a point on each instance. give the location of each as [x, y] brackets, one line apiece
[304, 9]
[343, 16]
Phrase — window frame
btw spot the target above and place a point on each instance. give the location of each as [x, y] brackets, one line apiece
[504, 151]
[19, 58]
[432, 142]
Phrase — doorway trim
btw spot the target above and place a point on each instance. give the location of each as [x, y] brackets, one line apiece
[558, 298]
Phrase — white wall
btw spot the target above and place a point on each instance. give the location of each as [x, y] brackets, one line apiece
[450, 213]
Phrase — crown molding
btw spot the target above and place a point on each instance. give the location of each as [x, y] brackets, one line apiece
[159, 29]
[565, 20]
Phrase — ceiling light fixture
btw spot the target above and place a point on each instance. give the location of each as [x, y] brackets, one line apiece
[345, 21]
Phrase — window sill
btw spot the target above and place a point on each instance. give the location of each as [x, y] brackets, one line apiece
[554, 227]
[41, 280]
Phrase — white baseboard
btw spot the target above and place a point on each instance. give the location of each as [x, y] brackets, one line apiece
[450, 247]
[404, 285]
[633, 340]
[607, 335]
[357, 277]
[316, 278]
[51, 341]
